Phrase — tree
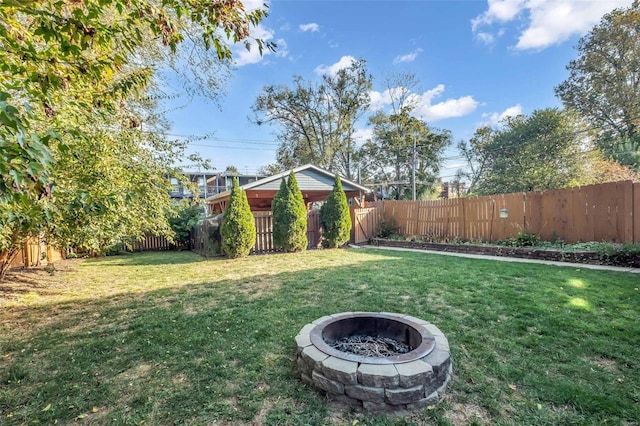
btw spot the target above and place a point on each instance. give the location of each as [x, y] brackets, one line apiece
[604, 83]
[232, 170]
[598, 169]
[238, 228]
[538, 152]
[270, 170]
[76, 88]
[335, 217]
[289, 217]
[477, 154]
[317, 121]
[278, 208]
[390, 157]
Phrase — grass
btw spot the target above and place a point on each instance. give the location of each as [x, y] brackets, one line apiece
[171, 338]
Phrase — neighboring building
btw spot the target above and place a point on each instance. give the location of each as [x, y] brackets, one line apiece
[209, 184]
[453, 189]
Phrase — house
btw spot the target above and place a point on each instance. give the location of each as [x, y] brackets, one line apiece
[209, 183]
[314, 182]
[453, 189]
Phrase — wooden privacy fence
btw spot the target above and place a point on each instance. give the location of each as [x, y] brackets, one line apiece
[34, 251]
[205, 242]
[264, 231]
[605, 212]
[152, 243]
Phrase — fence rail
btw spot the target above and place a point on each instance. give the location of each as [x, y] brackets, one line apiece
[606, 212]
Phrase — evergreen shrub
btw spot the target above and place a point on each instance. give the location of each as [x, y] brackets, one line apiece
[335, 218]
[238, 228]
[289, 217]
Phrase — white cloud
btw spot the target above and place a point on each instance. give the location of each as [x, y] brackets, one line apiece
[499, 10]
[448, 109]
[312, 26]
[495, 118]
[379, 100]
[242, 56]
[251, 5]
[344, 62]
[423, 106]
[553, 22]
[409, 57]
[486, 38]
[546, 22]
[362, 135]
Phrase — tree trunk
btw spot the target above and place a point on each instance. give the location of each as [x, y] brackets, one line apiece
[6, 259]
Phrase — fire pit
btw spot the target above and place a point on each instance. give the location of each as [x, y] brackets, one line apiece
[380, 361]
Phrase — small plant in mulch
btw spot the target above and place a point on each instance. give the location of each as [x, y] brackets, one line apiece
[387, 229]
[523, 239]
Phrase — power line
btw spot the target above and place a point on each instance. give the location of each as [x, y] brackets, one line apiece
[243, 148]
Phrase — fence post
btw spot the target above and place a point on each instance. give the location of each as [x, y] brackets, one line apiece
[635, 211]
[464, 218]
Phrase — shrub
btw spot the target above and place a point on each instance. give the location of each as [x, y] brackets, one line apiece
[335, 218]
[527, 239]
[238, 228]
[187, 216]
[522, 240]
[289, 217]
[387, 229]
[277, 209]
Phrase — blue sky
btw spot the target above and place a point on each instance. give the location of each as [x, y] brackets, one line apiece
[477, 61]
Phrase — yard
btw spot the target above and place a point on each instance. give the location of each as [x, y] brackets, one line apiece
[172, 338]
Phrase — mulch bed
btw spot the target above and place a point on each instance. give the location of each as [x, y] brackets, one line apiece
[587, 257]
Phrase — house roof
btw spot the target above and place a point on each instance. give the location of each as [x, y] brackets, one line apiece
[314, 182]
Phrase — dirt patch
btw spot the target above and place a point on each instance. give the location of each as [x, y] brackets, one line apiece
[462, 414]
[606, 364]
[265, 409]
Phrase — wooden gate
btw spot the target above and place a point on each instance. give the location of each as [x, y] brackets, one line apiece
[365, 222]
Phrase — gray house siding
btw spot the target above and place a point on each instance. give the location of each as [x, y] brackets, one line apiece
[310, 180]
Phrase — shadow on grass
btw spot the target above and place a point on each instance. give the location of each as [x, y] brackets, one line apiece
[151, 258]
[224, 351]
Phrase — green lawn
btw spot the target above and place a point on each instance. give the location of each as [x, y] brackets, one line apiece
[172, 338]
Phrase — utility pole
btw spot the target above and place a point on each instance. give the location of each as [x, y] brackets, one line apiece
[413, 170]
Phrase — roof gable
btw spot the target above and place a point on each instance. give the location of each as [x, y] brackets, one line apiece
[309, 178]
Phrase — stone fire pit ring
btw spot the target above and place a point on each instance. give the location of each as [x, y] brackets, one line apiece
[413, 380]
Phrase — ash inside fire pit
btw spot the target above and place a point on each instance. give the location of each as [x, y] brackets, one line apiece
[371, 346]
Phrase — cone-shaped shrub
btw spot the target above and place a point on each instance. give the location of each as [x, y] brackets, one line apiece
[298, 231]
[289, 217]
[335, 218]
[277, 210]
[238, 228]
